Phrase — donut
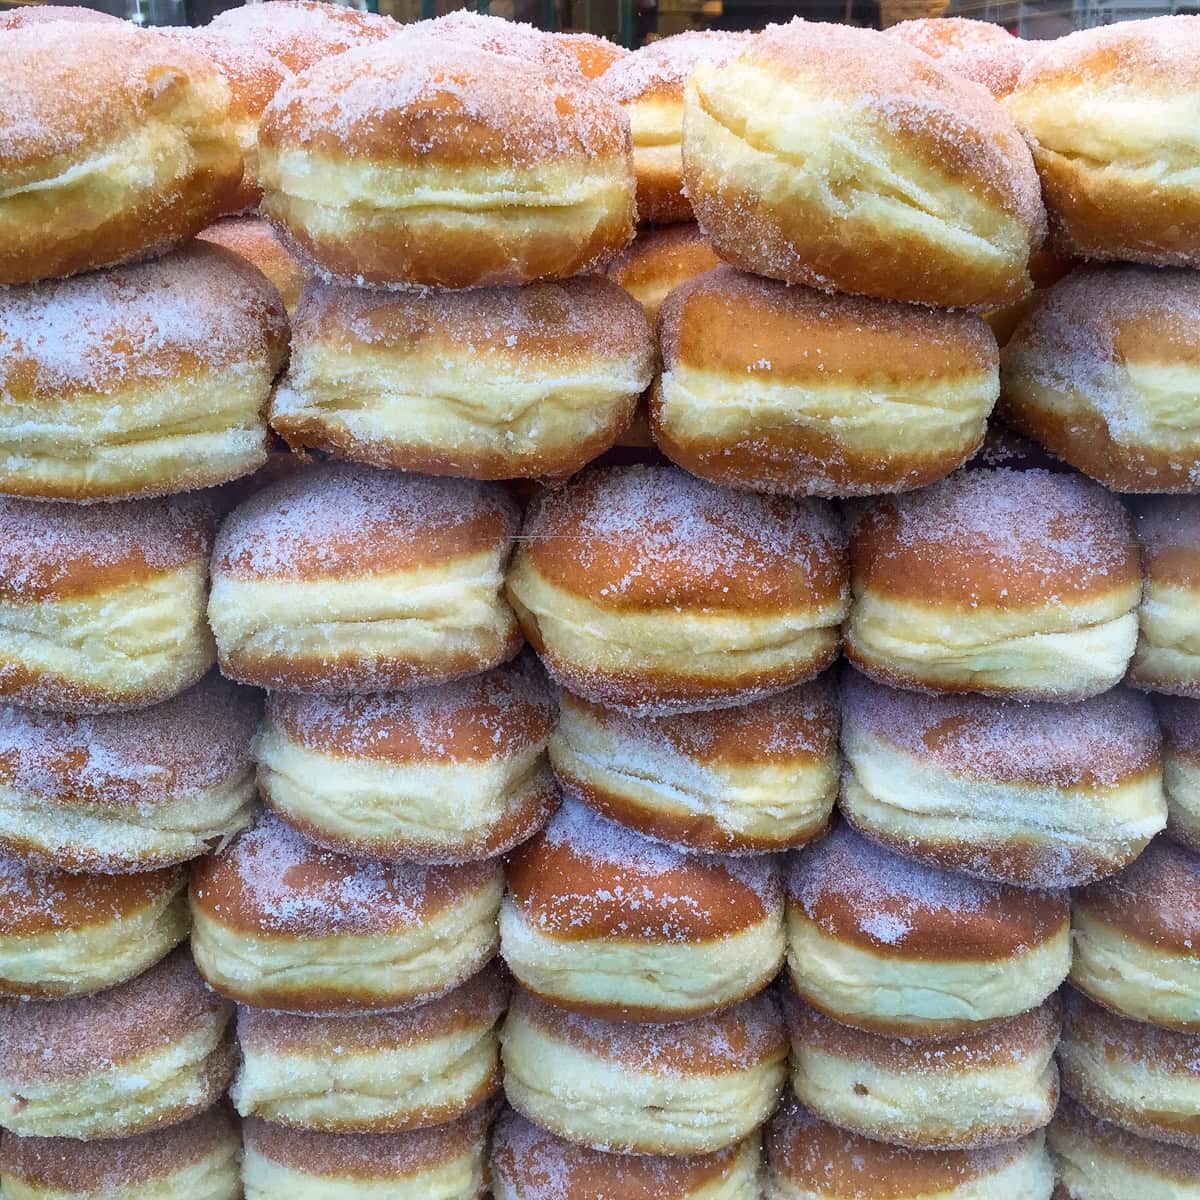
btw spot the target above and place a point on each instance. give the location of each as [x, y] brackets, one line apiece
[1136, 939]
[196, 1158]
[343, 579]
[398, 165]
[537, 51]
[648, 84]
[116, 144]
[44, 14]
[984, 53]
[658, 260]
[102, 607]
[894, 947]
[405, 1070]
[759, 777]
[1045, 269]
[148, 1053]
[444, 1162]
[1097, 1160]
[253, 238]
[1180, 721]
[787, 390]
[1167, 658]
[1037, 795]
[124, 792]
[528, 1163]
[594, 54]
[963, 1092]
[70, 935]
[280, 923]
[1019, 584]
[808, 1159]
[140, 381]
[693, 1087]
[300, 33]
[647, 589]
[600, 920]
[1108, 113]
[845, 160]
[494, 383]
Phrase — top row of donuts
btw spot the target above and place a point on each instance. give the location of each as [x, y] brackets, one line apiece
[463, 152]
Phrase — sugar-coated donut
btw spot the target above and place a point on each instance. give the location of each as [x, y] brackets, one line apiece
[980, 51]
[1040, 795]
[686, 1088]
[845, 160]
[253, 238]
[150, 1052]
[1098, 371]
[1109, 114]
[978, 1089]
[1180, 721]
[600, 920]
[380, 1073]
[44, 14]
[70, 935]
[810, 1160]
[1045, 268]
[594, 54]
[648, 589]
[787, 390]
[658, 260]
[398, 165]
[1010, 583]
[447, 773]
[892, 946]
[494, 383]
[539, 52]
[102, 607]
[759, 777]
[280, 923]
[649, 85]
[1167, 658]
[194, 1160]
[1140, 1077]
[1137, 939]
[139, 381]
[1097, 1160]
[529, 1163]
[131, 791]
[342, 579]
[115, 144]
[443, 1162]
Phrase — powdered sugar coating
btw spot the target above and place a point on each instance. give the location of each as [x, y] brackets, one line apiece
[1165, 524]
[250, 71]
[1180, 720]
[45, 14]
[662, 67]
[980, 51]
[515, 40]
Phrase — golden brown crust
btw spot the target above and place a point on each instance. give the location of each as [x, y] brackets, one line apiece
[253, 238]
[980, 51]
[1168, 531]
[658, 260]
[1162, 1161]
[595, 54]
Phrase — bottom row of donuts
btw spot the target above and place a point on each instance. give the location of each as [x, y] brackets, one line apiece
[213, 1157]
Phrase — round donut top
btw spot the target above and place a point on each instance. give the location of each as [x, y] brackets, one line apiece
[55, 551]
[1118, 1038]
[1097, 743]
[1156, 899]
[640, 538]
[855, 890]
[585, 876]
[941, 118]
[660, 259]
[340, 521]
[732, 322]
[482, 718]
[1180, 720]
[594, 54]
[980, 51]
[996, 537]
[542, 327]
[514, 40]
[477, 1004]
[1168, 530]
[369, 1156]
[272, 881]
[57, 1040]
[799, 724]
[109, 1166]
[733, 1040]
[45, 14]
[1031, 1033]
[196, 741]
[71, 87]
[299, 33]
[832, 1161]
[34, 902]
[251, 72]
[1159, 1159]
[420, 101]
[660, 69]
[201, 310]
[537, 1165]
